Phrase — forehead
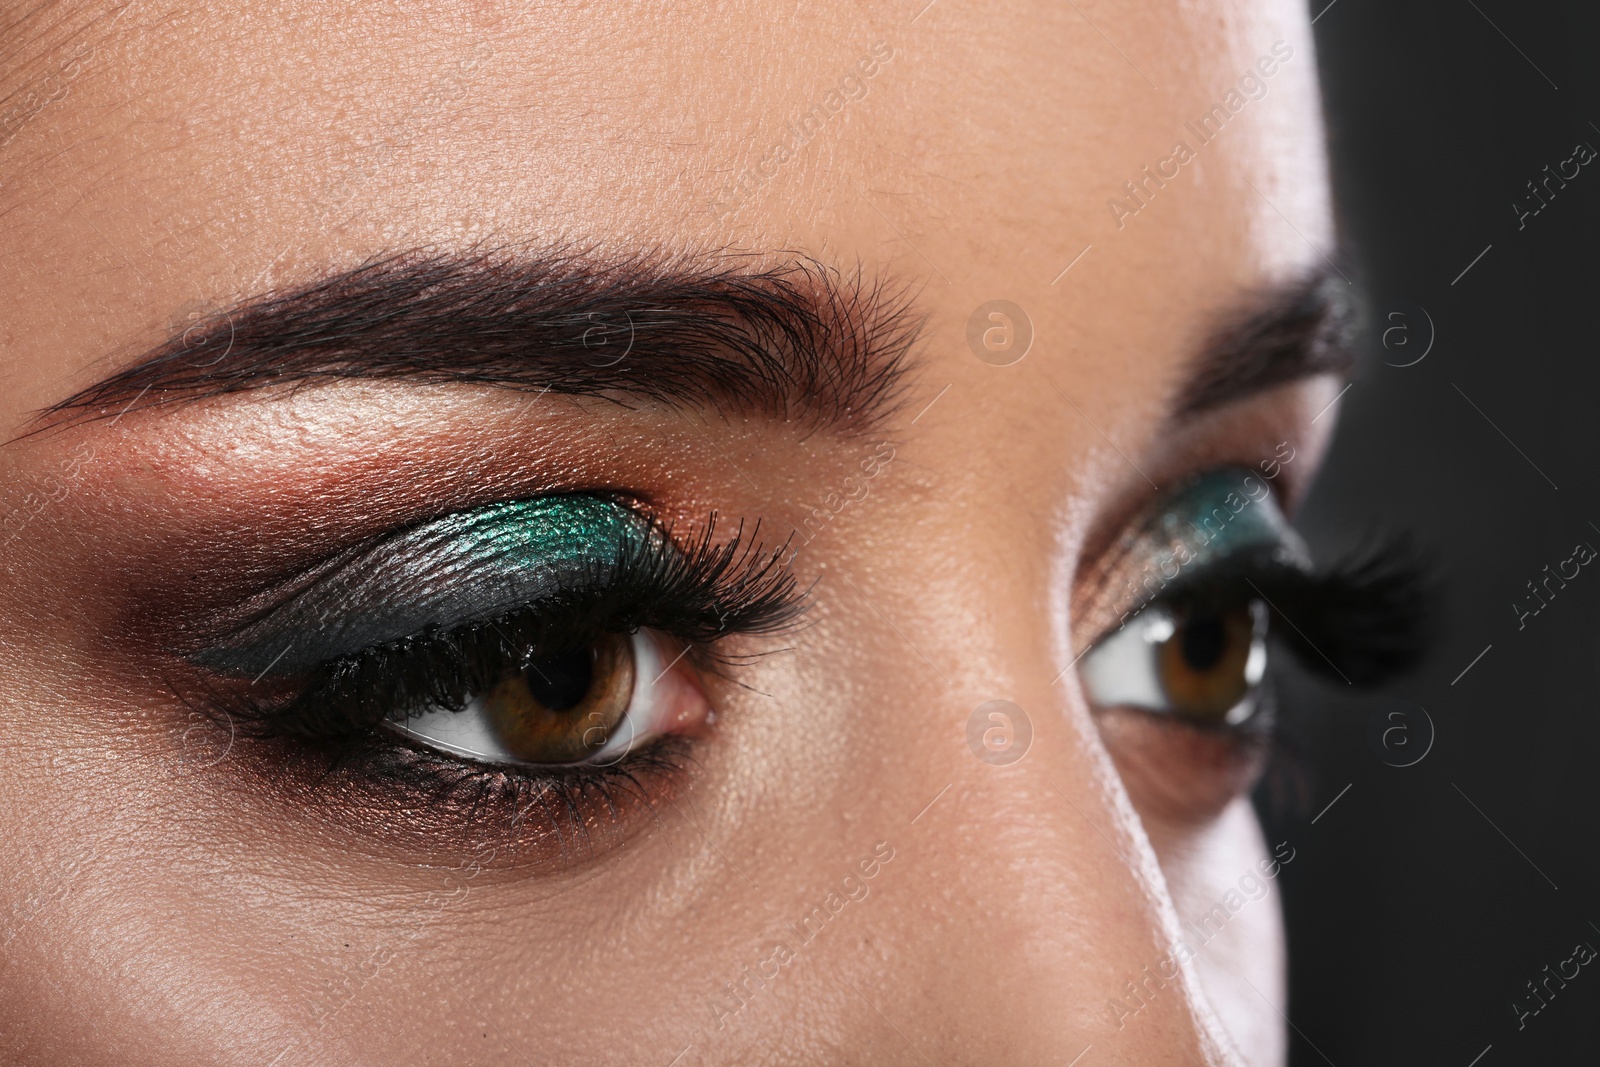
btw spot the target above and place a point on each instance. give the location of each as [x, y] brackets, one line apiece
[164, 158]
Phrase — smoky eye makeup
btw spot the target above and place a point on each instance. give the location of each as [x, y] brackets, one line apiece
[458, 570]
[528, 655]
[1210, 524]
[1207, 574]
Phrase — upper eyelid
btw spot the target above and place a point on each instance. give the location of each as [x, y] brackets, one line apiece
[444, 573]
[1256, 562]
[1139, 541]
[624, 568]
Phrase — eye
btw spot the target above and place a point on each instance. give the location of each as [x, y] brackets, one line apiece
[589, 705]
[1201, 664]
[530, 669]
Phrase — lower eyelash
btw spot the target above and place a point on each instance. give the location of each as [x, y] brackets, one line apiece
[513, 797]
[391, 788]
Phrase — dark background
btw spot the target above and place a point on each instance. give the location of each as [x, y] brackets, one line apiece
[1422, 901]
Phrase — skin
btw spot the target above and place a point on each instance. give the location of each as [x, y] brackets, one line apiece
[164, 906]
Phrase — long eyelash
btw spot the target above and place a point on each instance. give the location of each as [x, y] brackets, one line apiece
[1371, 614]
[697, 594]
[1365, 619]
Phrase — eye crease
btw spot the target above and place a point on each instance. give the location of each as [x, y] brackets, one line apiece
[455, 570]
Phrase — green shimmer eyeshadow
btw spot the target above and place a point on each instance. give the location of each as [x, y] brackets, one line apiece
[463, 568]
[1220, 515]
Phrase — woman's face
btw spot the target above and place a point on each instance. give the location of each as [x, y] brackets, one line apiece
[376, 687]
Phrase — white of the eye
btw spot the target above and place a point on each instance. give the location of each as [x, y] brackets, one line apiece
[1123, 669]
[469, 733]
[1255, 665]
[646, 707]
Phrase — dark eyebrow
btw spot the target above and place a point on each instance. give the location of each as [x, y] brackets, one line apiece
[797, 341]
[1296, 330]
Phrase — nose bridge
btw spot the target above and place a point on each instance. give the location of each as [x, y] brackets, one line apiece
[1054, 935]
[1029, 921]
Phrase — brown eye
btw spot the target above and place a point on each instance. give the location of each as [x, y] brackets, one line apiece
[1200, 664]
[1205, 667]
[589, 705]
[564, 708]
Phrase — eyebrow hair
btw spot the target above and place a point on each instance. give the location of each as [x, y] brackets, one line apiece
[799, 341]
[1300, 329]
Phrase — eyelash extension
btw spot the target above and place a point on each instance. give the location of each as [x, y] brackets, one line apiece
[1371, 613]
[697, 594]
[1365, 619]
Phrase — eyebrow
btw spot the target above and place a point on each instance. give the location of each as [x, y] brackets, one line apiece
[1300, 329]
[799, 341]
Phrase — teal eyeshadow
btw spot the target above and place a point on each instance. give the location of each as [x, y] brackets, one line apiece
[468, 567]
[1221, 515]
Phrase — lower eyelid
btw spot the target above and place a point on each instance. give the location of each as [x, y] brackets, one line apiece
[401, 800]
[1179, 773]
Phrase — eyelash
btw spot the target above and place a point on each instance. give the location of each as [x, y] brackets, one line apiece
[1363, 620]
[1370, 613]
[1366, 613]
[698, 594]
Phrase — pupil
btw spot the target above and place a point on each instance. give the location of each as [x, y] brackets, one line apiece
[1204, 641]
[561, 682]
